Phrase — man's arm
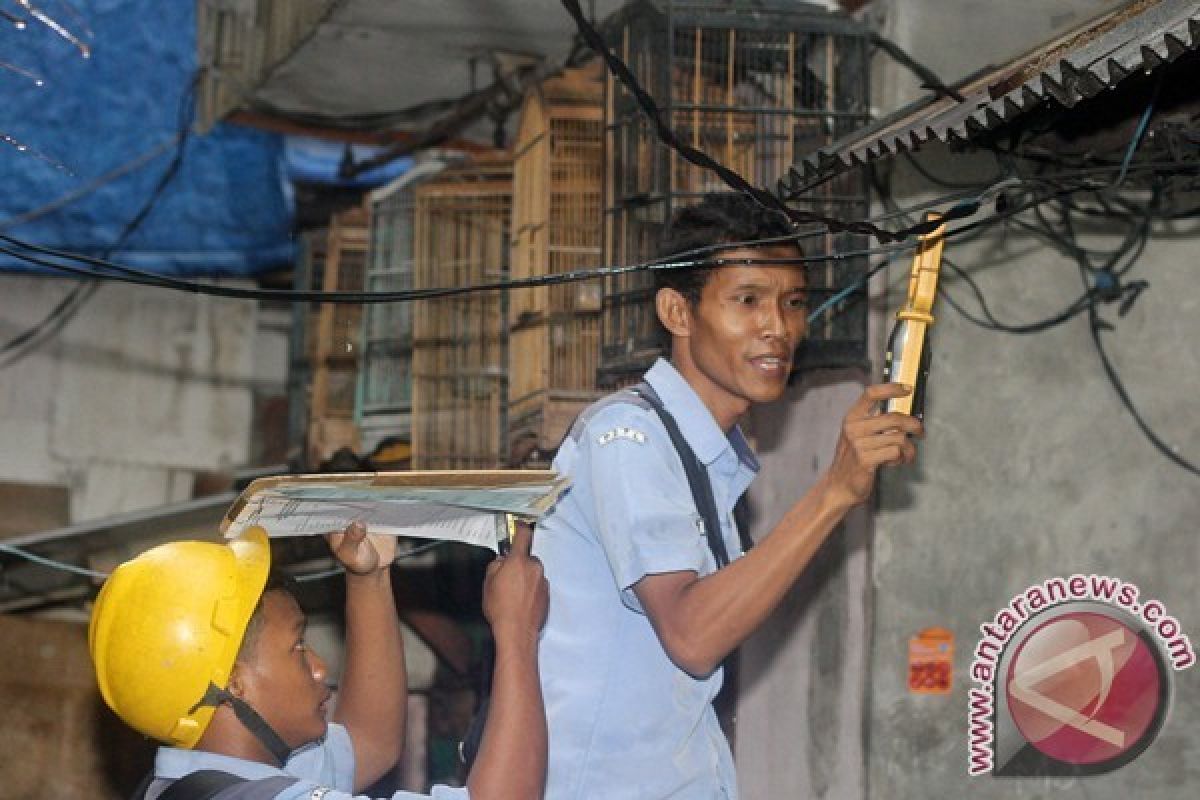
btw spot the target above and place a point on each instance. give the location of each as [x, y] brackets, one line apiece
[701, 620]
[373, 694]
[511, 764]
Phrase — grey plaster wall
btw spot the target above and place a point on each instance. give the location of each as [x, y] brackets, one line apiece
[803, 674]
[139, 392]
[1033, 469]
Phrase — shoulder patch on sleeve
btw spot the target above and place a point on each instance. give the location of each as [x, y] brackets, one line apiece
[621, 432]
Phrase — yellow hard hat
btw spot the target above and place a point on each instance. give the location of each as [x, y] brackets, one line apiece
[168, 624]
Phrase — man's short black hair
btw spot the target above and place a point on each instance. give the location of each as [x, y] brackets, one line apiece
[721, 218]
[277, 581]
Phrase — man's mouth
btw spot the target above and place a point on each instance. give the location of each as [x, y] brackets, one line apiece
[772, 364]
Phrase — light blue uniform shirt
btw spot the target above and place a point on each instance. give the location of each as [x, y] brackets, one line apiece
[625, 722]
[325, 770]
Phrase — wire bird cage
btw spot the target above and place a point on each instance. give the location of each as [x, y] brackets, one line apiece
[755, 85]
[385, 382]
[460, 346]
[338, 335]
[558, 180]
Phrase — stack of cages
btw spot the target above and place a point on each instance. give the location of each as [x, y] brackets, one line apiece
[460, 343]
[331, 424]
[757, 86]
[384, 407]
[558, 180]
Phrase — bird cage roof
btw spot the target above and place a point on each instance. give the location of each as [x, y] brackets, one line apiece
[582, 85]
[419, 173]
[480, 174]
[742, 14]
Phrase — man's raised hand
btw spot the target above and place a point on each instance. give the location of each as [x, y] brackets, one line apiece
[515, 594]
[870, 439]
[362, 553]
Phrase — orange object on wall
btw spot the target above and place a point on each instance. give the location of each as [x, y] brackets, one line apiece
[931, 661]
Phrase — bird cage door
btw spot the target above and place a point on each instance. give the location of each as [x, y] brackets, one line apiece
[460, 343]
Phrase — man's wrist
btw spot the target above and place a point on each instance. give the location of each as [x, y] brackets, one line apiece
[380, 577]
[835, 499]
[516, 639]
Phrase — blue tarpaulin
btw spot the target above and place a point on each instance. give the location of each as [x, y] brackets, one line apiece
[99, 135]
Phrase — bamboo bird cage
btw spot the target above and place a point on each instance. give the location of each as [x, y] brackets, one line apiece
[558, 180]
[460, 343]
[384, 407]
[755, 85]
[338, 335]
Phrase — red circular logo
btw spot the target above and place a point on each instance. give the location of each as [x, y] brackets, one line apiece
[1084, 688]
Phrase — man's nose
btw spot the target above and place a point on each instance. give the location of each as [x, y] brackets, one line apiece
[774, 323]
[320, 670]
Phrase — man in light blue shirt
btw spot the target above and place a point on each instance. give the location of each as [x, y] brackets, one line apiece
[640, 617]
[195, 647]
[324, 769]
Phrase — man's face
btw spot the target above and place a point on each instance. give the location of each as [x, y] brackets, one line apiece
[281, 678]
[743, 332]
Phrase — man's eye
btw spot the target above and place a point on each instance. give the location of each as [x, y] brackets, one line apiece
[745, 299]
[796, 303]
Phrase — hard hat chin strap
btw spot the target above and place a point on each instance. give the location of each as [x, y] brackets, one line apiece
[251, 719]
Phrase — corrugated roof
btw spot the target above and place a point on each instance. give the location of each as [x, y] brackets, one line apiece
[1139, 37]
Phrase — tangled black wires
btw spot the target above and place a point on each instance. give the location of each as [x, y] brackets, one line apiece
[1057, 220]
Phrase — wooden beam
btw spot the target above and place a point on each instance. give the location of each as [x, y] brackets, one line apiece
[267, 122]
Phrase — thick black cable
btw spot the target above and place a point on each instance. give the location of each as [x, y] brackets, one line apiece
[1102, 284]
[900, 56]
[146, 278]
[155, 279]
[1056, 190]
[1095, 325]
[1077, 307]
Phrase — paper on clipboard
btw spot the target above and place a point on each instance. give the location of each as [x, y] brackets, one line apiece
[460, 506]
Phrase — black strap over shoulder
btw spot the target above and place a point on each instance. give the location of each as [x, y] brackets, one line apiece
[212, 784]
[201, 785]
[697, 475]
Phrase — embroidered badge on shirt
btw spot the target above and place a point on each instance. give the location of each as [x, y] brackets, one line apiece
[632, 434]
[319, 792]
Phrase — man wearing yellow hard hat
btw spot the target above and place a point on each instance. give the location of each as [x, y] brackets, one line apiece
[194, 647]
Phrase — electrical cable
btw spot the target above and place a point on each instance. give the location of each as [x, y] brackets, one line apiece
[143, 277]
[1055, 190]
[135, 163]
[1095, 324]
[62, 566]
[51, 563]
[400, 555]
[146, 278]
[1102, 284]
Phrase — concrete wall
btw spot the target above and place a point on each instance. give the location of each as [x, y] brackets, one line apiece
[803, 674]
[57, 738]
[142, 390]
[1032, 468]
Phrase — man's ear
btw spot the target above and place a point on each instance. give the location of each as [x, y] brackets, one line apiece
[235, 686]
[674, 312]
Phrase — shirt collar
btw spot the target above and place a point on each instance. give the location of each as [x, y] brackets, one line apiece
[696, 422]
[173, 763]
